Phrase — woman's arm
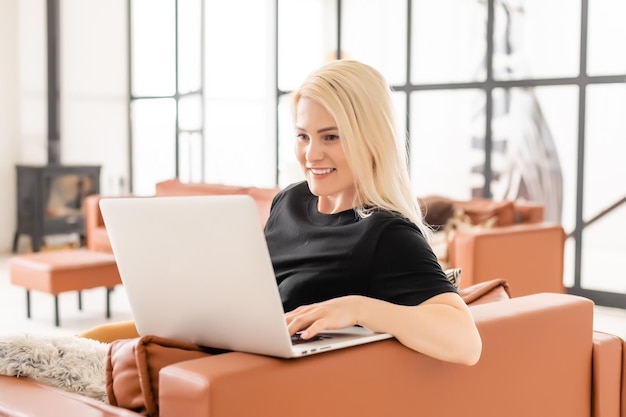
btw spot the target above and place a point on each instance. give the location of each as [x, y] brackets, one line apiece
[441, 327]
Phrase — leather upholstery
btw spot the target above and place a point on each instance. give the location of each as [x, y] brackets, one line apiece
[523, 249]
[527, 369]
[96, 237]
[133, 367]
[133, 364]
[528, 256]
[607, 373]
[60, 271]
[540, 358]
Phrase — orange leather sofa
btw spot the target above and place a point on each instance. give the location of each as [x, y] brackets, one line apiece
[518, 246]
[97, 239]
[540, 358]
[522, 249]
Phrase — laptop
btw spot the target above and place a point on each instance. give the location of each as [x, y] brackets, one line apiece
[197, 269]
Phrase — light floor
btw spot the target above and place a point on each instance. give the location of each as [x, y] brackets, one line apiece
[13, 310]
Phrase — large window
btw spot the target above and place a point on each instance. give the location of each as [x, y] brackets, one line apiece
[202, 92]
[515, 99]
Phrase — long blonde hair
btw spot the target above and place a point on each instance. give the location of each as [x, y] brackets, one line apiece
[359, 99]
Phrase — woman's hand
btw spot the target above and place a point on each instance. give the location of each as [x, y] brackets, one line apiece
[441, 327]
[337, 313]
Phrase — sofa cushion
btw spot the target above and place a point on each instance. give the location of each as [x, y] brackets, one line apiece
[486, 292]
[437, 210]
[481, 210]
[133, 365]
[174, 187]
[454, 276]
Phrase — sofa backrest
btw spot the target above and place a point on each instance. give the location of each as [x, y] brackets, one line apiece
[537, 361]
[481, 211]
[262, 196]
[175, 187]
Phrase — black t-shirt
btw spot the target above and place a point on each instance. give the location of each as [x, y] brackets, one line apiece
[319, 256]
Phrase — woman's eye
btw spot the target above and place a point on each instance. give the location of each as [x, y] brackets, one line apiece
[302, 136]
[331, 137]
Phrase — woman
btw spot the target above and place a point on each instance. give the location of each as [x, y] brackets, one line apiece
[349, 245]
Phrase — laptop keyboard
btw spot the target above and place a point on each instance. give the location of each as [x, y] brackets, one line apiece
[296, 339]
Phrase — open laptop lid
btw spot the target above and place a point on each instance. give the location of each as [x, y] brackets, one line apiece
[197, 268]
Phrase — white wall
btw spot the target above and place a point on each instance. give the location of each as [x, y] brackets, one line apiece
[93, 60]
[9, 115]
[94, 88]
[31, 68]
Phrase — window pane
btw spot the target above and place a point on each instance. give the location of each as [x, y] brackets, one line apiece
[446, 127]
[153, 47]
[374, 32]
[190, 157]
[448, 41]
[559, 107]
[605, 146]
[607, 32]
[536, 39]
[398, 99]
[307, 37]
[153, 125]
[189, 45]
[238, 50]
[240, 93]
[602, 262]
[526, 161]
[190, 112]
[288, 168]
[239, 149]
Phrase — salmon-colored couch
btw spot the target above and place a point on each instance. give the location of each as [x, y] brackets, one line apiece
[499, 239]
[521, 248]
[540, 358]
[97, 239]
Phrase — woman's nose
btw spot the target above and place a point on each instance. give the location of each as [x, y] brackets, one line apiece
[314, 151]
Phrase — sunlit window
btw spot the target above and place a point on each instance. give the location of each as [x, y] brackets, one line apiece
[506, 99]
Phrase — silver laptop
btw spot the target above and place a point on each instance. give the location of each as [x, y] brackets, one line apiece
[197, 268]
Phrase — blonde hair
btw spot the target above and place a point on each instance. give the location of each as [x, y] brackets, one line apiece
[359, 99]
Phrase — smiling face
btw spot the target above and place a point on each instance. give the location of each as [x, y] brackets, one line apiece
[321, 156]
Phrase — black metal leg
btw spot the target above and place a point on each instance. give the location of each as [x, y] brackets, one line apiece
[16, 239]
[80, 300]
[56, 310]
[109, 302]
[27, 303]
[36, 243]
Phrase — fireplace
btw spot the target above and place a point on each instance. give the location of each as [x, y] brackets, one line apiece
[50, 200]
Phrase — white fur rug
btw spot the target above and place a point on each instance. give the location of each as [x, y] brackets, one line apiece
[70, 363]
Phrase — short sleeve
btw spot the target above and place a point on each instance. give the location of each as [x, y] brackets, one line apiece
[405, 269]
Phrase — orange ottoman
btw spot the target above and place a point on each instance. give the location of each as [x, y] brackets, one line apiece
[61, 271]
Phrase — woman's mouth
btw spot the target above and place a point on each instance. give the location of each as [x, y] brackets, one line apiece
[320, 171]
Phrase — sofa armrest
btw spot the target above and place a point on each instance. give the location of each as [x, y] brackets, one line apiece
[607, 374]
[20, 397]
[529, 212]
[527, 368]
[93, 218]
[528, 256]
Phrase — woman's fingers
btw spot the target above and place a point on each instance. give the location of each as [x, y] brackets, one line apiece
[311, 319]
